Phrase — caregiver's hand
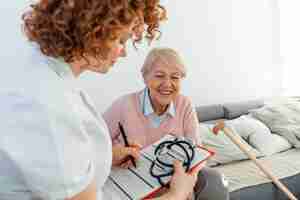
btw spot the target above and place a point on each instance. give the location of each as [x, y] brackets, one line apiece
[121, 154]
[182, 183]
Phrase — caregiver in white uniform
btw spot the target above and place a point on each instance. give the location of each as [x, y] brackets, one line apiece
[53, 144]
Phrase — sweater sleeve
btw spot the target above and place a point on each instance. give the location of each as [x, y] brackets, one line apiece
[112, 116]
[190, 122]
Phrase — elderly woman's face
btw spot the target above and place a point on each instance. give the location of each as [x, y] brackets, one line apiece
[164, 83]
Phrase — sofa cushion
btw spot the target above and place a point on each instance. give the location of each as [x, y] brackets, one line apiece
[233, 110]
[246, 125]
[269, 144]
[211, 112]
[282, 118]
[226, 150]
[258, 135]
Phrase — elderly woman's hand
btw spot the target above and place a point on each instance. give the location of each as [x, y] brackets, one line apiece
[121, 155]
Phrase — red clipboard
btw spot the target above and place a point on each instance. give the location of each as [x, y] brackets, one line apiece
[133, 183]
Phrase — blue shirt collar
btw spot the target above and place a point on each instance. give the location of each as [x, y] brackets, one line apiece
[147, 106]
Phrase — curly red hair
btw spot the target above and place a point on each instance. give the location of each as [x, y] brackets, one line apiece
[72, 28]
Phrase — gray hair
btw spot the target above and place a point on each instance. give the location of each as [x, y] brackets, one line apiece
[165, 55]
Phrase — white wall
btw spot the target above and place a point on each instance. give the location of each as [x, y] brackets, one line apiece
[228, 46]
[290, 45]
[10, 31]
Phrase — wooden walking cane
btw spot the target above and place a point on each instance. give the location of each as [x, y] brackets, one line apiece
[221, 126]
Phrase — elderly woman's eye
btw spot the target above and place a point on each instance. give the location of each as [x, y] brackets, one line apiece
[175, 77]
[159, 76]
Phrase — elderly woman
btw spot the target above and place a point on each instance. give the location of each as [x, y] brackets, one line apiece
[149, 114]
[53, 144]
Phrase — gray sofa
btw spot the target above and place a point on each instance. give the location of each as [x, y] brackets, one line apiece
[265, 191]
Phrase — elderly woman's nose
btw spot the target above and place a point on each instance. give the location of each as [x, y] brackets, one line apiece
[167, 81]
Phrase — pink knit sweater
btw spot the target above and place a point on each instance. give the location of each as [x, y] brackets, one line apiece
[127, 110]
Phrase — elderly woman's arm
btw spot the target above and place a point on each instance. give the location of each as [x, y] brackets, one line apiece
[112, 117]
[191, 123]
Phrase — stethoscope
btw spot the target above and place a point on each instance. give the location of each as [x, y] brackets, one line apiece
[186, 150]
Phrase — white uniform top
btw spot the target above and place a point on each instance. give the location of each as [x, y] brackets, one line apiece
[52, 141]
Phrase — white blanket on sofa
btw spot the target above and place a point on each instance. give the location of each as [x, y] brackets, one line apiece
[246, 173]
[283, 118]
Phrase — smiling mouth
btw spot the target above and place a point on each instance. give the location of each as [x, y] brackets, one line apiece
[165, 92]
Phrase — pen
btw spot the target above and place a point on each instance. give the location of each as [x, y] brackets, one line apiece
[126, 143]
